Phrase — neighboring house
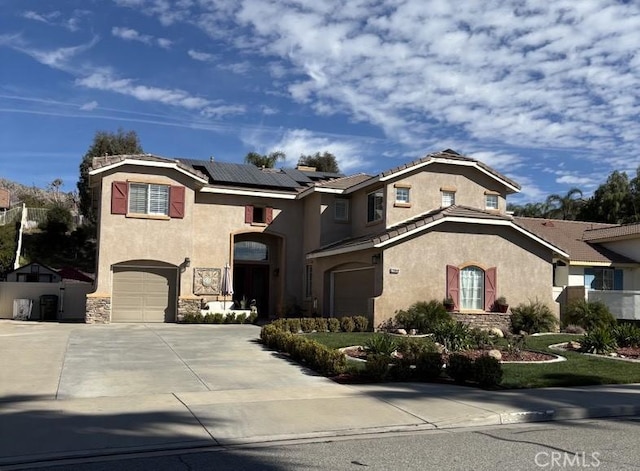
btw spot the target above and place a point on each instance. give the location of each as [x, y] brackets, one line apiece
[299, 240]
[34, 272]
[603, 262]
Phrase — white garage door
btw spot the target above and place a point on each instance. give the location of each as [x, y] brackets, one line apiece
[351, 292]
[143, 294]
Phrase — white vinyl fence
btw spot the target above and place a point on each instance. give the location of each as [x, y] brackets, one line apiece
[71, 298]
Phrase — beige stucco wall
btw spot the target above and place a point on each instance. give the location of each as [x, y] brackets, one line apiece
[205, 235]
[122, 238]
[524, 269]
[469, 183]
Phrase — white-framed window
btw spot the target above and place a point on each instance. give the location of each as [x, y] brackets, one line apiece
[308, 281]
[403, 195]
[472, 288]
[148, 198]
[448, 198]
[341, 209]
[491, 201]
[375, 205]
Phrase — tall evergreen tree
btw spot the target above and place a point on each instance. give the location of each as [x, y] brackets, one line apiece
[325, 162]
[611, 202]
[104, 143]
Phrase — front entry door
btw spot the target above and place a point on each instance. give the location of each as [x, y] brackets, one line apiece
[252, 282]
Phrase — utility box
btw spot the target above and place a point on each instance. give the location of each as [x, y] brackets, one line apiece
[48, 307]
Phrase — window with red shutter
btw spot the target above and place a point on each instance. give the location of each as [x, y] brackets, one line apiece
[453, 285]
[176, 202]
[268, 216]
[119, 197]
[248, 214]
[490, 288]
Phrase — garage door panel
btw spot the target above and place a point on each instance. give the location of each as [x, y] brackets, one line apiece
[352, 291]
[144, 294]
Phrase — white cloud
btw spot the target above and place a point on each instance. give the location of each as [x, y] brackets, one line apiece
[576, 180]
[92, 105]
[294, 143]
[55, 58]
[106, 81]
[200, 56]
[129, 34]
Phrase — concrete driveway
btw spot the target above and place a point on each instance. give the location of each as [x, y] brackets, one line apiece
[62, 361]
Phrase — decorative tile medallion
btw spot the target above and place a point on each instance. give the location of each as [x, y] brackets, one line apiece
[206, 280]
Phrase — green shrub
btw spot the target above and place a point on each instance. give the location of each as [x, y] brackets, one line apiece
[241, 318]
[410, 351]
[516, 344]
[253, 316]
[377, 367]
[208, 318]
[487, 371]
[453, 336]
[627, 335]
[321, 324]
[381, 344]
[598, 340]
[347, 324]
[481, 338]
[327, 361]
[192, 318]
[423, 316]
[229, 318]
[218, 318]
[589, 314]
[429, 366]
[361, 323]
[460, 368]
[294, 325]
[532, 317]
[333, 324]
[307, 324]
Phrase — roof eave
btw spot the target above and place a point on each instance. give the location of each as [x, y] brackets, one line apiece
[148, 163]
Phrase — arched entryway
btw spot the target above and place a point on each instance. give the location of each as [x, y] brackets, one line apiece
[257, 271]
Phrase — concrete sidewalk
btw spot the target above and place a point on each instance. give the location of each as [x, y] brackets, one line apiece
[38, 430]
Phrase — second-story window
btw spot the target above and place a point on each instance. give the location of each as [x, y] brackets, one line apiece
[375, 205]
[448, 198]
[148, 198]
[341, 209]
[491, 201]
[402, 195]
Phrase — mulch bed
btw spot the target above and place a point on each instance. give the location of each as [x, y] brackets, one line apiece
[629, 352]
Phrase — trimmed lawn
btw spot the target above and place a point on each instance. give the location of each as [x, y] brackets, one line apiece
[578, 370]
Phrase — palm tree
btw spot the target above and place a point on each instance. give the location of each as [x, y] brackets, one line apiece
[565, 206]
[264, 161]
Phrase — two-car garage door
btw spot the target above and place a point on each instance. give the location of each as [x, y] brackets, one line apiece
[144, 294]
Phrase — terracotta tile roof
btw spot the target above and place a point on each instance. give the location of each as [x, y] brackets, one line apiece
[100, 162]
[450, 155]
[345, 182]
[371, 240]
[621, 231]
[570, 236]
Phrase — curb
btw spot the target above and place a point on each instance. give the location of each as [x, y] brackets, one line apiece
[507, 418]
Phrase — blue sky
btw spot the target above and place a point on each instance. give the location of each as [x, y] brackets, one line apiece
[546, 92]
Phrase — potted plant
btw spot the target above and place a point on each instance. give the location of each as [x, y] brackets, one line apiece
[448, 303]
[500, 304]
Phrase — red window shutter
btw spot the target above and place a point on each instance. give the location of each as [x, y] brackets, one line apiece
[268, 215]
[248, 214]
[453, 285]
[490, 279]
[176, 202]
[119, 197]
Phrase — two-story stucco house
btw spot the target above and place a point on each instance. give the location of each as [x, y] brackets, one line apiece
[300, 240]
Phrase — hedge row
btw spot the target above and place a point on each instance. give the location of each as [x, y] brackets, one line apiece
[323, 324]
[315, 355]
[219, 318]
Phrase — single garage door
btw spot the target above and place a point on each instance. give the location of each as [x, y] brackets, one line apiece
[143, 294]
[352, 290]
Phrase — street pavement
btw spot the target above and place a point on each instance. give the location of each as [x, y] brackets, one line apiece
[74, 390]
